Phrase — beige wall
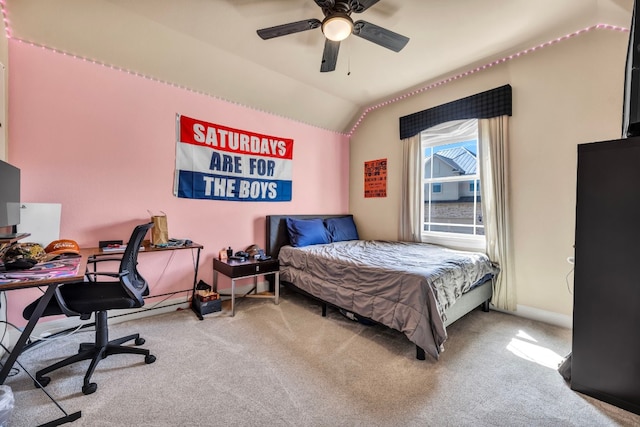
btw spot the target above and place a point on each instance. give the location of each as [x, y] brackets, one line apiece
[563, 95]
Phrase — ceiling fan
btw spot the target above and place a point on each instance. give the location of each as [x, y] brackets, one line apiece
[336, 26]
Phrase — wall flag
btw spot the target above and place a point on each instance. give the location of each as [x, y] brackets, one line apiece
[221, 163]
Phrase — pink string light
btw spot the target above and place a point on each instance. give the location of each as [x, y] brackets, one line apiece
[5, 19]
[367, 110]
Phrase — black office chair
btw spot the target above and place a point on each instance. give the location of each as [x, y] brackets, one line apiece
[97, 296]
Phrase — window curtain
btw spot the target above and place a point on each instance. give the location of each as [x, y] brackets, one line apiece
[410, 221]
[494, 175]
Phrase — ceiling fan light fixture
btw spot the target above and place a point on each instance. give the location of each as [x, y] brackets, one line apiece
[337, 27]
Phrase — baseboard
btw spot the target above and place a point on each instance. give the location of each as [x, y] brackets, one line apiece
[550, 317]
[46, 329]
[43, 329]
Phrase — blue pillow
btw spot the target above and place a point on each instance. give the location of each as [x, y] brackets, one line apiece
[342, 228]
[305, 232]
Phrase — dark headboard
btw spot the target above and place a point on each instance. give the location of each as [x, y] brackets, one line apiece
[277, 235]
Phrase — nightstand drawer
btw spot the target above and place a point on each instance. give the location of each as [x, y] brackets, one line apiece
[235, 269]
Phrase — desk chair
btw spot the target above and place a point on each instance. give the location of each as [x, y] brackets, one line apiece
[98, 296]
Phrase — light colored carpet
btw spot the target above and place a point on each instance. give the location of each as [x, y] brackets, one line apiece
[286, 365]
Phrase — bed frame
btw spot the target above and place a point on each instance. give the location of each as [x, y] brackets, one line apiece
[277, 236]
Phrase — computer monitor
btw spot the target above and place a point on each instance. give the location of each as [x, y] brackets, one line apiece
[9, 195]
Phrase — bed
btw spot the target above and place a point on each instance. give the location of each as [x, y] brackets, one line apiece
[416, 288]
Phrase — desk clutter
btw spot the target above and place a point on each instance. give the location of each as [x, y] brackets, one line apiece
[160, 230]
[119, 246]
[251, 252]
[59, 268]
[23, 256]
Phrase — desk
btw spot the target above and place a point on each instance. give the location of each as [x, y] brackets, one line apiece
[54, 273]
[50, 274]
[244, 269]
[98, 253]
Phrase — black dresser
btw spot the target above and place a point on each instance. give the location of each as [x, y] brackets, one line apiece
[606, 314]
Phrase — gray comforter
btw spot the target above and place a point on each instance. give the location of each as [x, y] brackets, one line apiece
[405, 286]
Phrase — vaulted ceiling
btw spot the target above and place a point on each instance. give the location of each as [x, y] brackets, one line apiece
[211, 46]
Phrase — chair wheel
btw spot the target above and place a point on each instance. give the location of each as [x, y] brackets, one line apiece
[42, 382]
[139, 341]
[89, 388]
[149, 359]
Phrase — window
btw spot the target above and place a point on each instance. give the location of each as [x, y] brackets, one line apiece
[452, 206]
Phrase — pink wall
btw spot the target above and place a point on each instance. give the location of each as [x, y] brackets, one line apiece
[102, 143]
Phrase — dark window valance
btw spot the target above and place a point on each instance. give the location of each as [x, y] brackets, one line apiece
[492, 103]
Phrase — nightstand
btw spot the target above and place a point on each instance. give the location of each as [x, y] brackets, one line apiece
[244, 269]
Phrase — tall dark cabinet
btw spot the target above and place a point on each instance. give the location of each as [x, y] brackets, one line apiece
[606, 313]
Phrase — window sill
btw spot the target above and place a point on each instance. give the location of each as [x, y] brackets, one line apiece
[463, 243]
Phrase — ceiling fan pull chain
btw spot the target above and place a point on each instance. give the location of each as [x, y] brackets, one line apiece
[348, 58]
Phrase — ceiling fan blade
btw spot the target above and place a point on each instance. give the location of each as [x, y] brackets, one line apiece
[359, 6]
[380, 36]
[326, 4]
[290, 28]
[329, 56]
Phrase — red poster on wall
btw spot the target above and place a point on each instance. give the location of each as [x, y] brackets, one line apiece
[375, 178]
